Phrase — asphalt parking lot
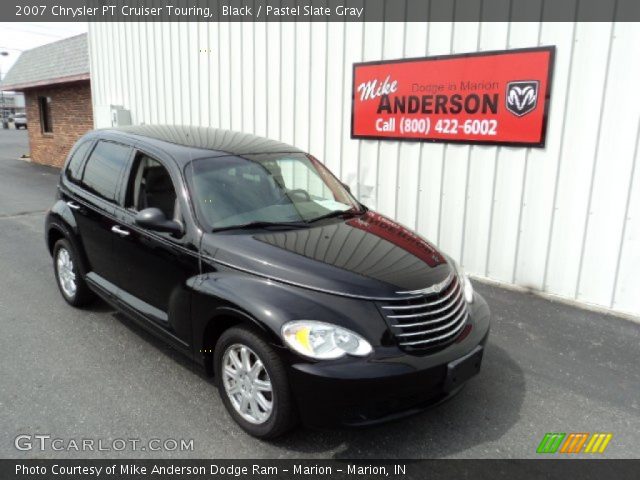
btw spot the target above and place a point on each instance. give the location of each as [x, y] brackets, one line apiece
[76, 374]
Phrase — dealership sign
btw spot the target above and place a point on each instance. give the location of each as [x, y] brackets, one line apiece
[499, 98]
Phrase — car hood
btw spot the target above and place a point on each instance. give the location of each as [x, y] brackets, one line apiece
[369, 256]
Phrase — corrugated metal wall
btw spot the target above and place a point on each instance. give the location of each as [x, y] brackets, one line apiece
[564, 219]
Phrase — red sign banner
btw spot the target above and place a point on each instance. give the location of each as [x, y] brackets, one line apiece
[499, 98]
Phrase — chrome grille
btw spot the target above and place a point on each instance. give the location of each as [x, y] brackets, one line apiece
[422, 321]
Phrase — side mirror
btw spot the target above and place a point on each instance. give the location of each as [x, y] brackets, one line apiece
[155, 220]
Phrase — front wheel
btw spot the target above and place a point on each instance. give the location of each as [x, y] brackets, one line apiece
[68, 277]
[253, 384]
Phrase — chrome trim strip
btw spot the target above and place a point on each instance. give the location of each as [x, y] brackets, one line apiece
[432, 312]
[430, 322]
[422, 305]
[461, 313]
[441, 337]
[307, 287]
[435, 288]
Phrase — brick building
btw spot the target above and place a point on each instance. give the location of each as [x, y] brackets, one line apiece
[56, 84]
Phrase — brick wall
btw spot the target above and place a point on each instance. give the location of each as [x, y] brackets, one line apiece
[71, 115]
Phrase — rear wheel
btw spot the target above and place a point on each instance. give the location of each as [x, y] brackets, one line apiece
[68, 277]
[253, 384]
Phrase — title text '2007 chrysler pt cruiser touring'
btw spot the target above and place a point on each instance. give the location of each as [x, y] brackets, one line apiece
[250, 257]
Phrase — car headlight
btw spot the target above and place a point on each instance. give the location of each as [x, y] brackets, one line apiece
[323, 341]
[466, 283]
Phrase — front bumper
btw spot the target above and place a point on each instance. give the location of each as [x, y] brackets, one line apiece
[387, 385]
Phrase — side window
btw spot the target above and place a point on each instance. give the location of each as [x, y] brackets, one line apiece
[150, 186]
[75, 163]
[103, 169]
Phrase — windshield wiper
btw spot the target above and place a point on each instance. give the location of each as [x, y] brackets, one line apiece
[260, 224]
[337, 213]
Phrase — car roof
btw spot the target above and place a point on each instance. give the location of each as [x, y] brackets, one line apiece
[218, 142]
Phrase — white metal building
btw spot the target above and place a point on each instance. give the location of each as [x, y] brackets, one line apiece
[564, 219]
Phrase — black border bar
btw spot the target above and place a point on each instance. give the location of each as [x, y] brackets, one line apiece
[296, 10]
[547, 468]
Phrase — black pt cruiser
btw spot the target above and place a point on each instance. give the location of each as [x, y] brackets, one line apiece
[250, 257]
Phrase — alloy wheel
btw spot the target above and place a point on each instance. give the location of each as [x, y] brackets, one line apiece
[247, 384]
[66, 276]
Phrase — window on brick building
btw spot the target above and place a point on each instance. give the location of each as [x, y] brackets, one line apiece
[45, 114]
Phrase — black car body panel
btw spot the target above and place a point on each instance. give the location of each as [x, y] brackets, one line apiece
[187, 288]
[367, 257]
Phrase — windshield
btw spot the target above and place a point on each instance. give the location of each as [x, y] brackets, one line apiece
[271, 188]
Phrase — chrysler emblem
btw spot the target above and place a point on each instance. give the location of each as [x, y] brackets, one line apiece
[522, 97]
[436, 288]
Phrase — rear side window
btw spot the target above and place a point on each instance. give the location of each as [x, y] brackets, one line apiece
[104, 167]
[74, 172]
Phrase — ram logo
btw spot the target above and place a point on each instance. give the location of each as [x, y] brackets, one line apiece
[522, 97]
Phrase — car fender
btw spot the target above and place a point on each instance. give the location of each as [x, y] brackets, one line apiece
[268, 305]
[61, 219]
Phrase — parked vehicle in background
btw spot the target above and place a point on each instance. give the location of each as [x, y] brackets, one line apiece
[20, 121]
[250, 257]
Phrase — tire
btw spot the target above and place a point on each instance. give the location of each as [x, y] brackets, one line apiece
[283, 416]
[80, 295]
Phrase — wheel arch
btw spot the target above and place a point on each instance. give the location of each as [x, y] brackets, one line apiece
[56, 228]
[54, 234]
[228, 298]
[224, 318]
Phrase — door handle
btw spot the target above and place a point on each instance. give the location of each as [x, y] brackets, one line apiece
[119, 231]
[73, 205]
